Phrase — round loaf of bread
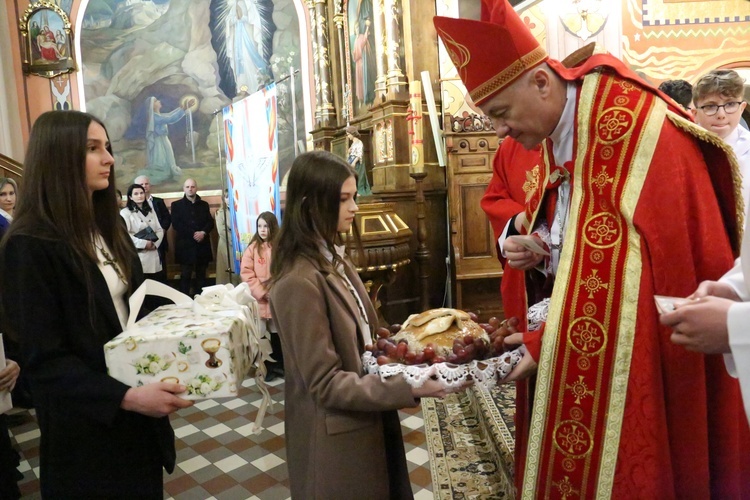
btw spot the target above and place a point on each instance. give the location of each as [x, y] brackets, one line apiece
[439, 327]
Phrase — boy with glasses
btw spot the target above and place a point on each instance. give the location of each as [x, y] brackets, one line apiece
[719, 102]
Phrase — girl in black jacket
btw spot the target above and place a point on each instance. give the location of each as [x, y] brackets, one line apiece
[67, 267]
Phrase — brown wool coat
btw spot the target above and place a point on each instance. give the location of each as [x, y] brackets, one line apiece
[343, 435]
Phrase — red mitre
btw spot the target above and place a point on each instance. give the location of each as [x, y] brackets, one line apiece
[490, 56]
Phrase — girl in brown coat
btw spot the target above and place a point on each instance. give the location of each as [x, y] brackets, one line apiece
[343, 434]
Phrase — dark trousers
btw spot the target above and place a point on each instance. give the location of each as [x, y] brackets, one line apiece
[9, 474]
[276, 352]
[162, 275]
[277, 355]
[186, 274]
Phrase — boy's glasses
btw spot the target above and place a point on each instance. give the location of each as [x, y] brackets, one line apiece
[729, 108]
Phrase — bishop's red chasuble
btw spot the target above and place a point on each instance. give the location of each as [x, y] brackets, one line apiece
[515, 176]
[618, 410]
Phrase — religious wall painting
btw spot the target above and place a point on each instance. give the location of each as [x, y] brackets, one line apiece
[242, 35]
[157, 72]
[669, 40]
[362, 69]
[584, 19]
[47, 40]
[65, 5]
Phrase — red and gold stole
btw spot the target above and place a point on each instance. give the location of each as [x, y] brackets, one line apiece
[584, 366]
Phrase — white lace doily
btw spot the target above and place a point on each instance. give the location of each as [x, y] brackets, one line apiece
[486, 372]
[538, 314]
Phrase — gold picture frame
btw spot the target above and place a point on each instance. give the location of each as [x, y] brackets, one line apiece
[47, 40]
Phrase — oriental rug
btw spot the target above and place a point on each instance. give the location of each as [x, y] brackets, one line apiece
[470, 437]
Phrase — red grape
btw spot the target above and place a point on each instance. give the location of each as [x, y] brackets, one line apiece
[383, 332]
[438, 359]
[494, 322]
[474, 317]
[390, 349]
[429, 352]
[498, 346]
[401, 350]
[410, 358]
[381, 344]
[394, 328]
[383, 360]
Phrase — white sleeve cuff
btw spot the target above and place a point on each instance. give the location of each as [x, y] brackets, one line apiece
[729, 364]
[503, 237]
[738, 324]
[736, 279]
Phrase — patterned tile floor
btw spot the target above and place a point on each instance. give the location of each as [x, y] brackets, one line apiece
[219, 456]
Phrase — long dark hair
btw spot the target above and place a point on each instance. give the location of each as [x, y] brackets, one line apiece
[273, 228]
[145, 208]
[313, 199]
[57, 205]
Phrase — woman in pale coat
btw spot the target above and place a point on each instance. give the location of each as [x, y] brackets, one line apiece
[343, 435]
[138, 215]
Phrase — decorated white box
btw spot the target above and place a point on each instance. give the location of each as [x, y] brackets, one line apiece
[176, 344]
[208, 344]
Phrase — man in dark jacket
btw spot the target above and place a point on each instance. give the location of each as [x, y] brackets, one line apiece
[165, 221]
[192, 221]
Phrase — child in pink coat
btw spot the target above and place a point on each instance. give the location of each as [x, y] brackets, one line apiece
[256, 272]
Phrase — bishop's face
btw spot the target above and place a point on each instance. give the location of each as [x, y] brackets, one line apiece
[525, 110]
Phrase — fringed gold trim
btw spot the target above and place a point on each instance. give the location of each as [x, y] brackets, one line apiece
[508, 75]
[713, 139]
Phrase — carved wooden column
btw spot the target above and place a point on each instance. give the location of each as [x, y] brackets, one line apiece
[380, 49]
[315, 56]
[338, 19]
[325, 109]
[395, 80]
